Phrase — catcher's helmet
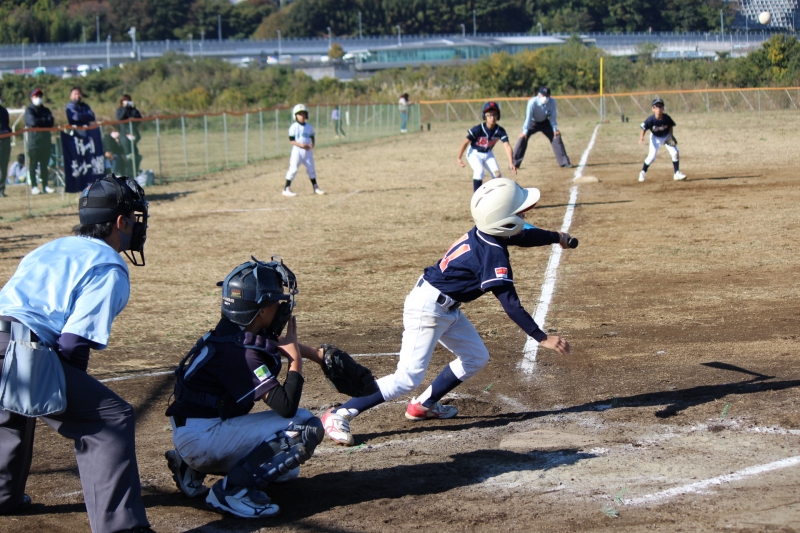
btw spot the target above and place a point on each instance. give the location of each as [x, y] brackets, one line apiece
[491, 106]
[254, 285]
[299, 108]
[496, 206]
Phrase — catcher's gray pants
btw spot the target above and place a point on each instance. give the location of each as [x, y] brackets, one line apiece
[555, 142]
[102, 425]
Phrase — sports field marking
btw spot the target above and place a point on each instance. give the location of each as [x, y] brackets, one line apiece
[528, 362]
[727, 478]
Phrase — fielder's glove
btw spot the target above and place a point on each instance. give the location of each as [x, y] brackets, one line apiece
[347, 376]
[672, 141]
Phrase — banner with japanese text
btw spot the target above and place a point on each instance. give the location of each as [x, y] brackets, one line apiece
[83, 158]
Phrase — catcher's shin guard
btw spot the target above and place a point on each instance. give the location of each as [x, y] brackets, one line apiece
[274, 458]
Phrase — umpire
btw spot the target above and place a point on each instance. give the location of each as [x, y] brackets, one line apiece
[540, 115]
[66, 294]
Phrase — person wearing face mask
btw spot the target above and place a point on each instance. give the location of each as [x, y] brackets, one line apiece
[540, 115]
[39, 142]
[5, 147]
[78, 112]
[130, 136]
[63, 298]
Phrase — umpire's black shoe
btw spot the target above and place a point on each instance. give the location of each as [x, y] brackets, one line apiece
[25, 503]
[568, 165]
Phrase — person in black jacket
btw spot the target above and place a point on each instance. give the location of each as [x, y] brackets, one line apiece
[130, 137]
[5, 147]
[39, 142]
[78, 112]
[115, 153]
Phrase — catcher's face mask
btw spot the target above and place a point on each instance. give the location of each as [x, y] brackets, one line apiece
[263, 272]
[139, 234]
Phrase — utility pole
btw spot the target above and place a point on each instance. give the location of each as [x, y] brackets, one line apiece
[202, 41]
[399, 42]
[97, 24]
[280, 51]
[721, 24]
[474, 24]
[329, 38]
[360, 35]
[219, 27]
[540, 28]
[132, 33]
[108, 51]
[463, 31]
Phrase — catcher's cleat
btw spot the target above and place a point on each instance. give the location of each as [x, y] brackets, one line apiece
[241, 501]
[337, 427]
[679, 176]
[642, 175]
[188, 480]
[417, 411]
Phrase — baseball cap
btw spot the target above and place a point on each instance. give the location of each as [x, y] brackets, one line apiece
[657, 101]
[544, 91]
[35, 92]
[107, 198]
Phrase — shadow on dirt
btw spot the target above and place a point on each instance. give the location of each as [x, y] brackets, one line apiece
[714, 178]
[168, 196]
[346, 488]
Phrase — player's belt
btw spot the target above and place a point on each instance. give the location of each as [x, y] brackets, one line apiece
[180, 421]
[442, 299]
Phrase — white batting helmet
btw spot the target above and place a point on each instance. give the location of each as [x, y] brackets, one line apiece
[496, 204]
[299, 108]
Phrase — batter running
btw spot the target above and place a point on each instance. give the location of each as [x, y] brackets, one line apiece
[475, 264]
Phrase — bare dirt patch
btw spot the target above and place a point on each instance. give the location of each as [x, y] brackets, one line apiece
[680, 304]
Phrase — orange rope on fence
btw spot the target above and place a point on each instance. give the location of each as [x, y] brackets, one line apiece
[579, 96]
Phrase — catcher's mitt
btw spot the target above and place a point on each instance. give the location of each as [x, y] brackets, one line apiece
[347, 376]
[672, 141]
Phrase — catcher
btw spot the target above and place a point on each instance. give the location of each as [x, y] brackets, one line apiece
[227, 371]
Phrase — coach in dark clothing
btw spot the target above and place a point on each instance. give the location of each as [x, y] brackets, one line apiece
[5, 147]
[39, 142]
[78, 112]
[130, 136]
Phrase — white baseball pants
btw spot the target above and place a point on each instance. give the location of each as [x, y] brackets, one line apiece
[427, 322]
[655, 145]
[214, 446]
[301, 156]
[480, 161]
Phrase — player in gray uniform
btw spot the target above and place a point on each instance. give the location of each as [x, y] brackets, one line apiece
[540, 115]
[65, 296]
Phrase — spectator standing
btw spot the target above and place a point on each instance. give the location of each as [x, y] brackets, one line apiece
[129, 133]
[39, 142]
[78, 112]
[18, 171]
[336, 117]
[5, 147]
[403, 107]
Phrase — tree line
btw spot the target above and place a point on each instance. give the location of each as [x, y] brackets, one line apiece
[41, 21]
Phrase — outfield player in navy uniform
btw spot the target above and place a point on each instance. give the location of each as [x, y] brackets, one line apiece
[540, 116]
[477, 263]
[481, 140]
[66, 294]
[660, 126]
[302, 139]
[218, 383]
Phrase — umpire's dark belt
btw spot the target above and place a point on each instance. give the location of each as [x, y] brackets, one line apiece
[442, 298]
[5, 327]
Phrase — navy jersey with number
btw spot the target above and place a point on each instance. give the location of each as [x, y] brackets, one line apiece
[477, 262]
[483, 139]
[659, 127]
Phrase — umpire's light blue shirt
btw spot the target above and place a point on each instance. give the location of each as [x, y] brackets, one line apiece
[536, 112]
[72, 285]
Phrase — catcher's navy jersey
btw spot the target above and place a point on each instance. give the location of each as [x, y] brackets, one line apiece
[659, 127]
[477, 262]
[483, 139]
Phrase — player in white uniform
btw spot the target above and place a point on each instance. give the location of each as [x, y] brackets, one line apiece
[301, 137]
[660, 125]
[477, 263]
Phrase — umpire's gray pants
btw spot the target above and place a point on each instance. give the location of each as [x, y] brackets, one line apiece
[556, 142]
[102, 425]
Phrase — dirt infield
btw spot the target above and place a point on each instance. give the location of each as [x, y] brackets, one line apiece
[679, 409]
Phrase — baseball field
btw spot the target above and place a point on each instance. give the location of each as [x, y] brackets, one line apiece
[678, 410]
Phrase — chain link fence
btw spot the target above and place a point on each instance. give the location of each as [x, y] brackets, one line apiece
[180, 147]
[620, 105]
